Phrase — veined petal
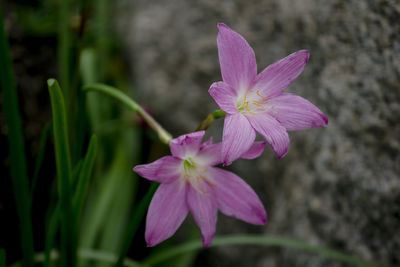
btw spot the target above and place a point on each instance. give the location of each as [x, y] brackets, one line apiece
[278, 76]
[166, 213]
[237, 138]
[224, 96]
[186, 145]
[204, 210]
[296, 113]
[163, 170]
[236, 198]
[273, 132]
[255, 151]
[237, 59]
[210, 155]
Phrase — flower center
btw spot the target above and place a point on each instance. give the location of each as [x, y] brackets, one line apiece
[194, 175]
[252, 103]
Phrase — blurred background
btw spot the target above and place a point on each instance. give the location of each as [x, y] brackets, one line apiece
[338, 186]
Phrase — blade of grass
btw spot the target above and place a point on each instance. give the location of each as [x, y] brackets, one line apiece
[19, 173]
[137, 217]
[163, 135]
[63, 162]
[271, 241]
[84, 175]
[40, 155]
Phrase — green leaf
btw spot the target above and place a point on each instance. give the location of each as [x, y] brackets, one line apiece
[84, 175]
[19, 174]
[40, 155]
[63, 163]
[270, 241]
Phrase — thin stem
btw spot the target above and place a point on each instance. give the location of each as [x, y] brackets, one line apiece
[163, 135]
[256, 240]
[19, 173]
[210, 119]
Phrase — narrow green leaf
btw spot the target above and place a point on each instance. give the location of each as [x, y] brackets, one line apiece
[40, 155]
[63, 162]
[76, 170]
[261, 241]
[84, 175]
[137, 217]
[19, 174]
[2, 258]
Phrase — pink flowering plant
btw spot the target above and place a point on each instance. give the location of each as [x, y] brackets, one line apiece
[189, 182]
[97, 224]
[251, 103]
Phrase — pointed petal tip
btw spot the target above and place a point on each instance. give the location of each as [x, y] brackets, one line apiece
[305, 54]
[207, 241]
[325, 118]
[281, 155]
[221, 25]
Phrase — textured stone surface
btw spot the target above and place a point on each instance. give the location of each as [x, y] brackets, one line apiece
[338, 186]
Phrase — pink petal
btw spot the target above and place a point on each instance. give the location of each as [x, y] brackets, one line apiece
[210, 155]
[186, 145]
[207, 143]
[204, 210]
[224, 96]
[255, 151]
[296, 113]
[166, 213]
[273, 132]
[163, 170]
[236, 198]
[237, 137]
[236, 57]
[278, 76]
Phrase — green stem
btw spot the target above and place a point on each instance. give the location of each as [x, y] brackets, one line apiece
[210, 119]
[137, 217]
[19, 173]
[256, 240]
[163, 135]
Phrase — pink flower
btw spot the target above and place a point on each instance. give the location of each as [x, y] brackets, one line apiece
[190, 183]
[255, 103]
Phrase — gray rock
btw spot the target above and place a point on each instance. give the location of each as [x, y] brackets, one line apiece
[338, 186]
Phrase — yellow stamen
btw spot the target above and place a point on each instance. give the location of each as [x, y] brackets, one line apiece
[245, 105]
[199, 183]
[266, 98]
[258, 104]
[208, 181]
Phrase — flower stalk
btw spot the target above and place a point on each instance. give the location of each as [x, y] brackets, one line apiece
[164, 136]
[210, 119]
